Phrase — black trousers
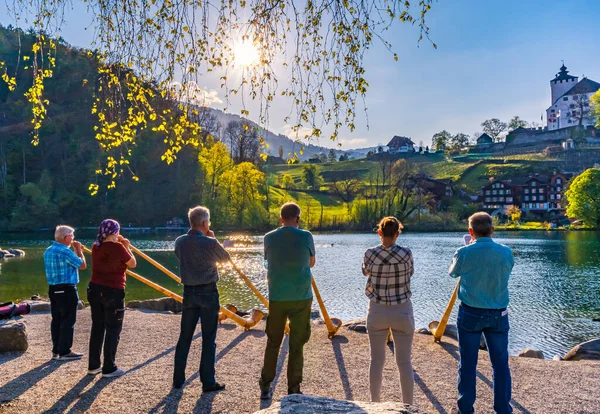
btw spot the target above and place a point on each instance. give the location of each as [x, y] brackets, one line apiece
[108, 309]
[199, 302]
[298, 312]
[63, 306]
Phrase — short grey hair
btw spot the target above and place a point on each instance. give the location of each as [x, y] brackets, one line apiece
[63, 231]
[197, 215]
[482, 224]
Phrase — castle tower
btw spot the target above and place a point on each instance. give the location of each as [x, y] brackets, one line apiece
[561, 83]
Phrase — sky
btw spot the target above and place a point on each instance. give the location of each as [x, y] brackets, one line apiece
[494, 59]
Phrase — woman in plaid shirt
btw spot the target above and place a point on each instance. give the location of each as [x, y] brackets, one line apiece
[389, 268]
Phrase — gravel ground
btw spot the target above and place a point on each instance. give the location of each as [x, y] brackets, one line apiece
[338, 368]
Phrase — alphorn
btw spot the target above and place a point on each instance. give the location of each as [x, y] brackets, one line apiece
[333, 324]
[438, 328]
[247, 323]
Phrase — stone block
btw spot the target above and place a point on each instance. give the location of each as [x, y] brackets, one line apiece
[302, 404]
[531, 353]
[13, 336]
[589, 350]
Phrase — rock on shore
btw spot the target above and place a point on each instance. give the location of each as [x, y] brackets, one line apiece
[161, 304]
[13, 336]
[44, 306]
[589, 350]
[531, 353]
[302, 404]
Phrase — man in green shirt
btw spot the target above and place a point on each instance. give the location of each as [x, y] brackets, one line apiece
[289, 254]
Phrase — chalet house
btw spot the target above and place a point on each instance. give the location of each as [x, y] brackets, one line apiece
[400, 144]
[273, 160]
[438, 188]
[535, 194]
[498, 195]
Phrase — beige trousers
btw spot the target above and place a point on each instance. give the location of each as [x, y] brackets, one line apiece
[399, 318]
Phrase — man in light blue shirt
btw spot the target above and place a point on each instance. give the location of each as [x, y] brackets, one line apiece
[484, 268]
[62, 273]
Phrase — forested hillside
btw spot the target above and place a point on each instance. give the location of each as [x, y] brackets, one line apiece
[46, 184]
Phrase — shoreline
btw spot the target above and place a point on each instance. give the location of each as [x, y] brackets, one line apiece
[335, 368]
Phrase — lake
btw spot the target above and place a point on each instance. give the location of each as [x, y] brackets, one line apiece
[554, 288]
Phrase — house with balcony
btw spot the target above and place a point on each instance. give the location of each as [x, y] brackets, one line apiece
[498, 195]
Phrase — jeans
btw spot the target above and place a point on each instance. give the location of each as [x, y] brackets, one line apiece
[201, 301]
[63, 307]
[298, 312]
[380, 319]
[493, 323]
[108, 309]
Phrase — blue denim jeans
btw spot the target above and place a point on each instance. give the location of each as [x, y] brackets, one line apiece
[493, 323]
[199, 302]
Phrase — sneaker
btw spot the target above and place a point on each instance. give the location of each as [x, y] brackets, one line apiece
[70, 356]
[117, 373]
[55, 356]
[94, 371]
[266, 395]
[214, 388]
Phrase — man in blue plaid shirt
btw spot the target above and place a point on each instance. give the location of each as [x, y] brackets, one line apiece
[62, 273]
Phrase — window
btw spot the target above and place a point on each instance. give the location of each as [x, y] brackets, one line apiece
[526, 191]
[559, 189]
[533, 198]
[541, 191]
[509, 199]
[566, 98]
[574, 113]
[495, 199]
[551, 196]
[508, 191]
[559, 181]
[558, 205]
[526, 198]
[558, 196]
[500, 192]
[488, 192]
[541, 198]
[572, 106]
[530, 205]
[552, 110]
[488, 199]
[494, 192]
[533, 183]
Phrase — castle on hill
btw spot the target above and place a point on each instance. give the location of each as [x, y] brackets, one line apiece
[570, 101]
[568, 117]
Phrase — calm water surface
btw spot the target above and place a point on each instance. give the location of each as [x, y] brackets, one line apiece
[554, 288]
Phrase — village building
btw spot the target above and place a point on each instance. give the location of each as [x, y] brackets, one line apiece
[536, 194]
[498, 195]
[400, 144]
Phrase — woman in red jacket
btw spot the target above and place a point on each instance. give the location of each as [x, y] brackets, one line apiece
[111, 257]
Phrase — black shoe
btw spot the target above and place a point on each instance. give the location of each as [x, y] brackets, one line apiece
[71, 356]
[214, 388]
[266, 395]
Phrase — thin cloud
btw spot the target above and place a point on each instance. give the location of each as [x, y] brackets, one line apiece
[354, 142]
[193, 94]
[293, 133]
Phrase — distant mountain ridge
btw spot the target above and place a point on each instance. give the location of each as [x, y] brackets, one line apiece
[289, 145]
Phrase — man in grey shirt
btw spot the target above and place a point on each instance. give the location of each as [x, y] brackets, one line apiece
[198, 253]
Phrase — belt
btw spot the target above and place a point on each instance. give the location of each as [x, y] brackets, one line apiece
[481, 309]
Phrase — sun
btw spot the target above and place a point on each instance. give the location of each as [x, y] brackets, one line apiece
[245, 54]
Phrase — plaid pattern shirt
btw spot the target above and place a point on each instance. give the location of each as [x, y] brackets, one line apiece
[62, 265]
[389, 271]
